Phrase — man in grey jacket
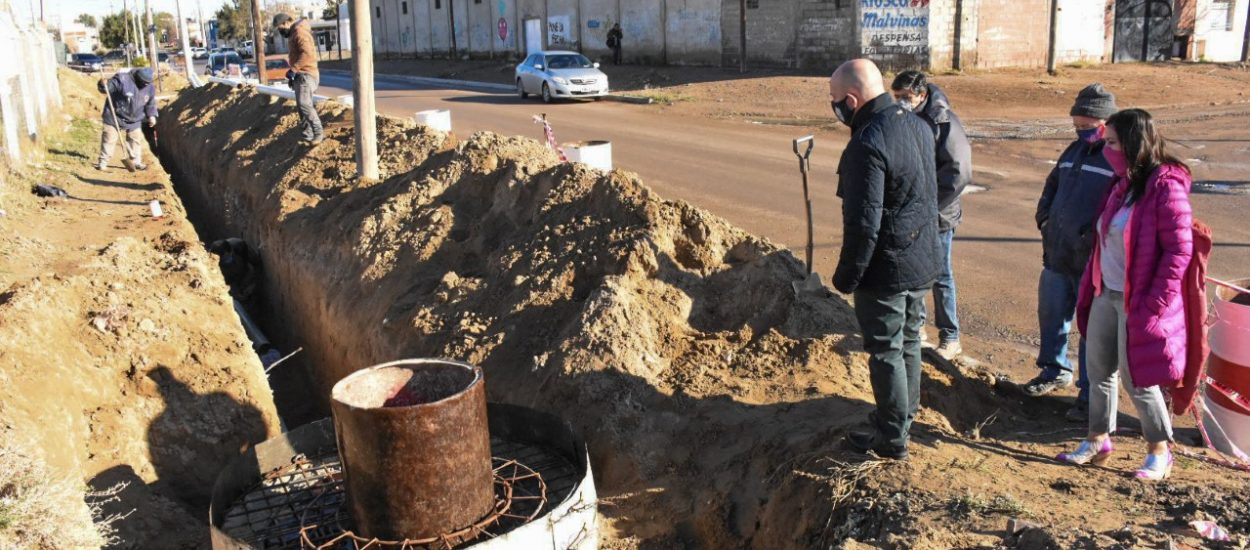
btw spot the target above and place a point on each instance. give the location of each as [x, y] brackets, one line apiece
[1066, 214]
[954, 171]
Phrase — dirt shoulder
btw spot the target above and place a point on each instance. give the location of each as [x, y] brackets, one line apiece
[123, 364]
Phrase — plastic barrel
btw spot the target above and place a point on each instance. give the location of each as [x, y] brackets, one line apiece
[1229, 365]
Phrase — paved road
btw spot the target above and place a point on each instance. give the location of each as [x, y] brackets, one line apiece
[748, 174]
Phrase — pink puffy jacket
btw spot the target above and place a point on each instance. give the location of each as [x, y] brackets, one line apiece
[1159, 242]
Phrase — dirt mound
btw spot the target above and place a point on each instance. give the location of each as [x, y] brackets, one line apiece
[670, 338]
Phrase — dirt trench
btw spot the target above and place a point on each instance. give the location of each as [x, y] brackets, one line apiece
[670, 338]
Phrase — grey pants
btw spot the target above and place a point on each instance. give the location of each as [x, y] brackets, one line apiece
[133, 147]
[890, 323]
[304, 85]
[1107, 360]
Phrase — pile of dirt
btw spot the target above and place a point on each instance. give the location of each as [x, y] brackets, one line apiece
[124, 367]
[711, 396]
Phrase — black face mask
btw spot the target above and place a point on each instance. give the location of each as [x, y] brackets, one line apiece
[286, 33]
[843, 111]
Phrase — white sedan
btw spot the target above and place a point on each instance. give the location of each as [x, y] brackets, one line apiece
[560, 74]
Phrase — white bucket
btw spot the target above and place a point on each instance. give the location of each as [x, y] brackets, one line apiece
[595, 154]
[1226, 428]
[438, 119]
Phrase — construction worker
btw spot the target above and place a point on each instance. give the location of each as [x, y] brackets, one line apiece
[890, 251]
[130, 98]
[615, 37]
[303, 76]
[954, 171]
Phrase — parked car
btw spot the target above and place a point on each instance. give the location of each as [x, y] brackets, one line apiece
[560, 74]
[246, 49]
[219, 64]
[199, 53]
[86, 62]
[115, 58]
[276, 67]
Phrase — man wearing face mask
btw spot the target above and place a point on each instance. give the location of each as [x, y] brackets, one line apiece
[1065, 216]
[890, 252]
[303, 76]
[954, 171]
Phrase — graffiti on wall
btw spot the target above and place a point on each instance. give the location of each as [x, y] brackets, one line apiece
[894, 26]
[558, 31]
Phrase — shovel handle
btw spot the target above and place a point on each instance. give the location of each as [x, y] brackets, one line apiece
[807, 153]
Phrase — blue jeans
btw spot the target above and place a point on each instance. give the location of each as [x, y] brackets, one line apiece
[1056, 306]
[945, 317]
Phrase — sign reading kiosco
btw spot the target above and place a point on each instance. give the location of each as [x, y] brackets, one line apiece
[894, 26]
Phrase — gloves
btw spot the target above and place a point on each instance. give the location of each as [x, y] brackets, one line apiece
[152, 121]
[102, 85]
[290, 75]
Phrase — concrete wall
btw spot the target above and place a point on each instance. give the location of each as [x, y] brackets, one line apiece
[1212, 41]
[826, 33]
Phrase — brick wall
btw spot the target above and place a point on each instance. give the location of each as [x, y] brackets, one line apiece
[1012, 33]
[770, 32]
[826, 33]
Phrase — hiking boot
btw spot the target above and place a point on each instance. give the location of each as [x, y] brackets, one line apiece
[102, 166]
[950, 350]
[1048, 381]
[128, 164]
[865, 442]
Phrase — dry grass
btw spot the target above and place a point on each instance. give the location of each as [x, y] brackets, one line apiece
[40, 510]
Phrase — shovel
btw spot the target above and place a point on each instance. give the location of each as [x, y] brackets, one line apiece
[810, 284]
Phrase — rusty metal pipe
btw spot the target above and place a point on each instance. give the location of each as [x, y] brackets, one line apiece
[415, 447]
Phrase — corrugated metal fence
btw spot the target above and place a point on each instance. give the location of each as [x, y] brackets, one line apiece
[29, 89]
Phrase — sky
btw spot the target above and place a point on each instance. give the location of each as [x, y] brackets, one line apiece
[67, 10]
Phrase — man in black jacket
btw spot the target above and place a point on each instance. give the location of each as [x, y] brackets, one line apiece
[1066, 213]
[954, 170]
[890, 252]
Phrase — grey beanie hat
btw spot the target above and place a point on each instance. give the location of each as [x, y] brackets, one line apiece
[280, 19]
[1094, 101]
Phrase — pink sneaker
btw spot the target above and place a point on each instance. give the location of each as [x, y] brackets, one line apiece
[1086, 453]
[1156, 467]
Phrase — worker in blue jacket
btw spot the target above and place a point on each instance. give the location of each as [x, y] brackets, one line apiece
[131, 98]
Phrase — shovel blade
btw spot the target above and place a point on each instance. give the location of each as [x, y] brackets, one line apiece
[809, 285]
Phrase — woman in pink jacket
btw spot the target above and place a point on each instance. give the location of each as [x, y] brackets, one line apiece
[1130, 305]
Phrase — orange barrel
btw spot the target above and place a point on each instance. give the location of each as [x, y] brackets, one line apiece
[1229, 366]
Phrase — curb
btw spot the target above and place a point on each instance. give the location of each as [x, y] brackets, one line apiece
[478, 85]
[470, 84]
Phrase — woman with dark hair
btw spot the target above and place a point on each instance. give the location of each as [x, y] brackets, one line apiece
[1130, 306]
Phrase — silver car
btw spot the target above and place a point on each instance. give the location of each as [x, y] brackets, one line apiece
[560, 74]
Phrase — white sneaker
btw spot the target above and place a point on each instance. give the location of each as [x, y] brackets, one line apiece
[950, 350]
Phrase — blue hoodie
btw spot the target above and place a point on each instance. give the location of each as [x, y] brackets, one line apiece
[133, 103]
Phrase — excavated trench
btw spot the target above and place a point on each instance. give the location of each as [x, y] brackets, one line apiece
[672, 340]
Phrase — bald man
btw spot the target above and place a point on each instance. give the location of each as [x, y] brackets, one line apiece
[890, 250]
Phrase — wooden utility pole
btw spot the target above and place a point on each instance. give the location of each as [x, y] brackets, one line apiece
[126, 31]
[364, 112]
[1054, 23]
[742, 36]
[258, 43]
[451, 22]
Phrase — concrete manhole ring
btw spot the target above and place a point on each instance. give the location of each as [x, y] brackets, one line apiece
[1221, 187]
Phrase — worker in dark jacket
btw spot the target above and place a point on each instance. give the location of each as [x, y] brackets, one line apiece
[1065, 216]
[134, 98]
[954, 172]
[890, 252]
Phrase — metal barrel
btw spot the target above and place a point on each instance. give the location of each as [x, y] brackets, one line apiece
[415, 447]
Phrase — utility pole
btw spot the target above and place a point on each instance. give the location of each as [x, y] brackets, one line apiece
[742, 36]
[154, 57]
[1245, 40]
[199, 14]
[364, 112]
[451, 18]
[126, 31]
[1054, 21]
[258, 42]
[186, 42]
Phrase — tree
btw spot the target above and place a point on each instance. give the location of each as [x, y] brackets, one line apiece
[86, 19]
[166, 26]
[234, 20]
[331, 11]
[113, 30]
